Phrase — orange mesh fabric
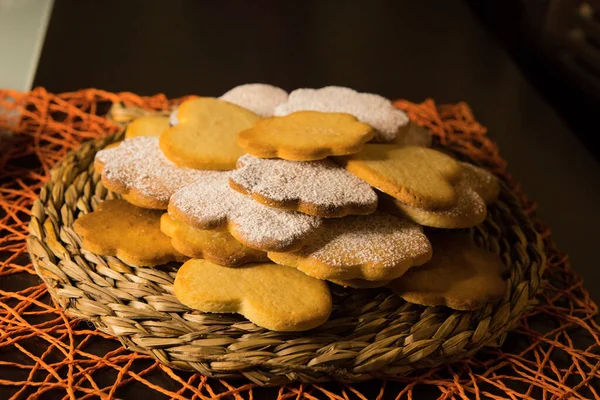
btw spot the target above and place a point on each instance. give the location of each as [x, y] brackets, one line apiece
[44, 354]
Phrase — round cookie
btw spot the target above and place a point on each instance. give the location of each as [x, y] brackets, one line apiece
[320, 188]
[259, 98]
[306, 136]
[416, 176]
[130, 233]
[205, 136]
[209, 203]
[372, 109]
[137, 169]
[475, 188]
[153, 125]
[215, 246]
[273, 296]
[460, 275]
[372, 247]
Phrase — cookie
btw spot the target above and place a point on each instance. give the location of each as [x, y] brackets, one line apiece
[118, 228]
[373, 247]
[460, 275]
[416, 176]
[259, 98]
[272, 296]
[139, 170]
[173, 118]
[475, 188]
[369, 108]
[320, 188]
[215, 246]
[153, 125]
[413, 135]
[205, 136]
[209, 203]
[306, 136]
[360, 283]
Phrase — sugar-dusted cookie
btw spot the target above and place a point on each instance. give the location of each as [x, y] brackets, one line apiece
[320, 188]
[118, 228]
[138, 169]
[416, 176]
[475, 188]
[259, 98]
[373, 247]
[217, 246]
[413, 135]
[306, 136]
[209, 203]
[272, 296]
[153, 125]
[205, 136]
[173, 118]
[460, 275]
[369, 108]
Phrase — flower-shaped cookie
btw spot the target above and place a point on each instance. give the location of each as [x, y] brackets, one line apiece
[209, 203]
[306, 136]
[138, 169]
[373, 247]
[460, 275]
[217, 246]
[259, 98]
[205, 136]
[118, 228]
[369, 108]
[320, 188]
[273, 296]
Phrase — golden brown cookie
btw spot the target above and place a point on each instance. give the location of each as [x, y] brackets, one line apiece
[460, 275]
[413, 135]
[416, 176]
[359, 283]
[320, 188]
[259, 98]
[475, 187]
[209, 203]
[275, 297]
[306, 136]
[130, 233]
[372, 109]
[216, 246]
[138, 169]
[205, 136]
[372, 247]
[153, 125]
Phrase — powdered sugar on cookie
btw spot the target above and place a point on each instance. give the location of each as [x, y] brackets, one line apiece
[138, 167]
[259, 98]
[374, 247]
[369, 108]
[320, 188]
[210, 203]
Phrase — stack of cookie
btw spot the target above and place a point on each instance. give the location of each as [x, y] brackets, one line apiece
[271, 196]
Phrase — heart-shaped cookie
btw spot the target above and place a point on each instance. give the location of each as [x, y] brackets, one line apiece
[275, 297]
[306, 136]
[320, 188]
[205, 136]
[416, 176]
[118, 228]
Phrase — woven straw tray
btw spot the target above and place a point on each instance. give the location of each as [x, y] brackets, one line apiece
[371, 333]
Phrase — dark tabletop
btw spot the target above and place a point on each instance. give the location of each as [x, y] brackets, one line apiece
[408, 49]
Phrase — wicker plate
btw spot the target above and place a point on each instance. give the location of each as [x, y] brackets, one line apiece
[371, 333]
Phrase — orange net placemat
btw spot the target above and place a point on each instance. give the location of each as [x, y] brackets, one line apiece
[44, 354]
